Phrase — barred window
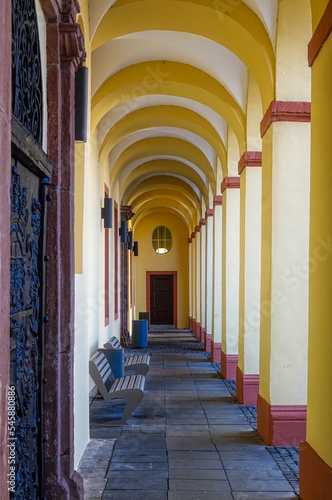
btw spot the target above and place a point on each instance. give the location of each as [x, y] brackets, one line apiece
[161, 239]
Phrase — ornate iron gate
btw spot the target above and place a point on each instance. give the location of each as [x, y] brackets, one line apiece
[31, 171]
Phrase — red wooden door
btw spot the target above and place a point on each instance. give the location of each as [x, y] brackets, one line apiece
[161, 299]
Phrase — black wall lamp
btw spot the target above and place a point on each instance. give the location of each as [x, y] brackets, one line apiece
[81, 104]
[135, 248]
[123, 231]
[106, 213]
[130, 240]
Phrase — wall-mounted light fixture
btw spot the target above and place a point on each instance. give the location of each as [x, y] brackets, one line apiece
[130, 240]
[123, 231]
[135, 248]
[81, 104]
[106, 213]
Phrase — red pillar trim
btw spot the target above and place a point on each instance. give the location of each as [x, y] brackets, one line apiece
[197, 229]
[189, 240]
[315, 475]
[202, 222]
[190, 322]
[193, 235]
[209, 213]
[215, 351]
[217, 200]
[247, 387]
[193, 325]
[228, 365]
[203, 335]
[321, 34]
[175, 292]
[250, 159]
[281, 425]
[198, 330]
[230, 183]
[285, 111]
[207, 342]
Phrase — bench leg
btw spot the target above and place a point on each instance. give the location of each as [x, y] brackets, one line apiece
[133, 399]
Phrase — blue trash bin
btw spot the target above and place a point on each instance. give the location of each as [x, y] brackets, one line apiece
[115, 357]
[140, 333]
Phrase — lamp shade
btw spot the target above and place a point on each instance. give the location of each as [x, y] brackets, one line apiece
[81, 104]
[123, 231]
[130, 240]
[106, 213]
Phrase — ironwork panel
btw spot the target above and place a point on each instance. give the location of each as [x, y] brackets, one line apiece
[27, 240]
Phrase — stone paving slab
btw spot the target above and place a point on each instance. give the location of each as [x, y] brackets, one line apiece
[198, 485]
[206, 474]
[198, 495]
[264, 495]
[134, 495]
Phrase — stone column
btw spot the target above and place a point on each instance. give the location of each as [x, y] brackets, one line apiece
[209, 279]
[65, 50]
[247, 372]
[202, 224]
[217, 281]
[230, 276]
[193, 280]
[198, 280]
[5, 167]
[282, 398]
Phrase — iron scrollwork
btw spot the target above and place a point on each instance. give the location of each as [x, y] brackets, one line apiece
[26, 351]
[27, 94]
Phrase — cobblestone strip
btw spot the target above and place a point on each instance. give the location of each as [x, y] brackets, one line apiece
[287, 459]
[250, 412]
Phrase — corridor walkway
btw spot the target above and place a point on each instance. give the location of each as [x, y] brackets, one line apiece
[188, 439]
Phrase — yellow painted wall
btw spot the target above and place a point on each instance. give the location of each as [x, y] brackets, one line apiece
[319, 428]
[175, 260]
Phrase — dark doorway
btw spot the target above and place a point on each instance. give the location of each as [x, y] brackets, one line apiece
[161, 299]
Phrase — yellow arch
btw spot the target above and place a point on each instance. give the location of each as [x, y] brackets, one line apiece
[156, 167]
[172, 207]
[163, 198]
[169, 146]
[163, 116]
[167, 183]
[168, 78]
[159, 210]
[236, 28]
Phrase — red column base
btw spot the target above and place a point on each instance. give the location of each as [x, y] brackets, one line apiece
[247, 387]
[281, 425]
[198, 330]
[216, 351]
[207, 342]
[193, 326]
[228, 365]
[190, 323]
[202, 334]
[315, 475]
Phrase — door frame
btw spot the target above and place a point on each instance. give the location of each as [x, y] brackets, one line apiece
[175, 291]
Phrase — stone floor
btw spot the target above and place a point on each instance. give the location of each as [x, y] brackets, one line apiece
[187, 440]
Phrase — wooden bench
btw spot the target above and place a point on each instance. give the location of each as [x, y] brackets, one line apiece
[130, 388]
[139, 363]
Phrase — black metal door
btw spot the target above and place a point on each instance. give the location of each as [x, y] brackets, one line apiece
[27, 287]
[31, 171]
[161, 299]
